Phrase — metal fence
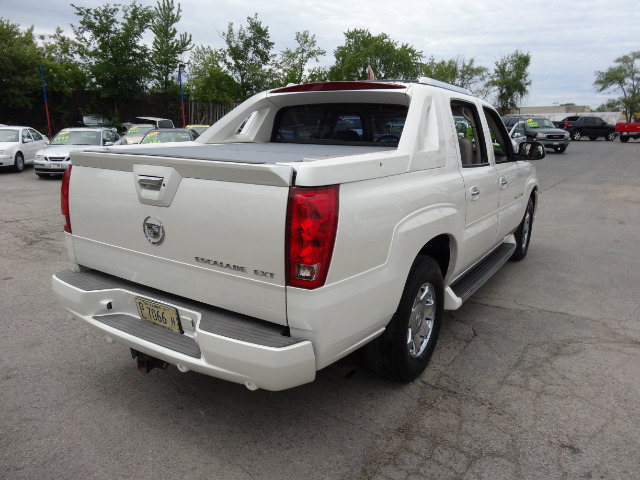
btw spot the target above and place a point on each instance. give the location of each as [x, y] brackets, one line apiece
[207, 113]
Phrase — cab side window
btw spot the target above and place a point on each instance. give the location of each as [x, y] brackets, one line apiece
[470, 135]
[500, 141]
[26, 137]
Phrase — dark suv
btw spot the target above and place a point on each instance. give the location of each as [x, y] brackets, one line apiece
[527, 127]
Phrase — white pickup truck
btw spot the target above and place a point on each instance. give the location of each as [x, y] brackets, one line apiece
[309, 222]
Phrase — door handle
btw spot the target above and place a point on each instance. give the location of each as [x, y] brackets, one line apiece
[475, 192]
[503, 182]
[151, 183]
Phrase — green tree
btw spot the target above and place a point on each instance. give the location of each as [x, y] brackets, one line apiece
[625, 77]
[611, 105]
[116, 60]
[208, 79]
[63, 74]
[510, 81]
[248, 56]
[457, 71]
[19, 75]
[381, 53]
[291, 64]
[168, 47]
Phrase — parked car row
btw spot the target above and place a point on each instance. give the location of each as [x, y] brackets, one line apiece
[20, 146]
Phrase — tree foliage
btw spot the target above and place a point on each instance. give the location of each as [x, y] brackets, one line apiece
[19, 75]
[510, 81]
[386, 58]
[248, 56]
[292, 63]
[625, 77]
[457, 71]
[168, 47]
[208, 79]
[115, 58]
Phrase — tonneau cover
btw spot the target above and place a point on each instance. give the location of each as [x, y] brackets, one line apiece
[255, 153]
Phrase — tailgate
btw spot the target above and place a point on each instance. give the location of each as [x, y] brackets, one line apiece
[188, 227]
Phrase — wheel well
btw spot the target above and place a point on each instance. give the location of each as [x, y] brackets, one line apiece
[439, 248]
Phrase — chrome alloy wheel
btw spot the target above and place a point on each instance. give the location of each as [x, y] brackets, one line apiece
[423, 314]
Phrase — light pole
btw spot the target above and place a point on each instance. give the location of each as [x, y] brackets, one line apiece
[180, 69]
[44, 92]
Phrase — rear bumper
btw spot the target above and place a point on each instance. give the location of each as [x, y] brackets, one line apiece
[215, 342]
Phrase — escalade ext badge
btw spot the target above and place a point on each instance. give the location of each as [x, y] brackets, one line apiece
[154, 231]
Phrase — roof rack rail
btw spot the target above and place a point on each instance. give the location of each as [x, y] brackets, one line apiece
[438, 83]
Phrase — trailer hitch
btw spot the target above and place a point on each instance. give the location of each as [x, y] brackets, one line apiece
[146, 363]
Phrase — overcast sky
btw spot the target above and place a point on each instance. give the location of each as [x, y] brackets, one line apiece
[568, 41]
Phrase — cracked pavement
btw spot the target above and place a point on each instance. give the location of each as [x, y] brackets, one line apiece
[536, 376]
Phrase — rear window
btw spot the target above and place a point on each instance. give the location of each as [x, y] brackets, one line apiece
[358, 124]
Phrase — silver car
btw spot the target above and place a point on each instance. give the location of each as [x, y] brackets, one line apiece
[54, 158]
[18, 146]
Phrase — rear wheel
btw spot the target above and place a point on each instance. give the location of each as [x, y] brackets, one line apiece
[523, 234]
[576, 135]
[18, 163]
[624, 139]
[403, 351]
[610, 136]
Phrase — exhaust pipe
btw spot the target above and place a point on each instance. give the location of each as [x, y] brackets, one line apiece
[146, 363]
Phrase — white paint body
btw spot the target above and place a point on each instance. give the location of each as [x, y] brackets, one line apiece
[391, 204]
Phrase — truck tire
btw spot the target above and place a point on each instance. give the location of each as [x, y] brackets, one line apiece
[576, 135]
[624, 139]
[523, 234]
[403, 351]
[610, 136]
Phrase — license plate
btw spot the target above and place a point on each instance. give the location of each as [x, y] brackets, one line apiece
[159, 314]
[556, 143]
[55, 165]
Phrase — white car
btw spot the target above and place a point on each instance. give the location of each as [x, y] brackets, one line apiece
[53, 159]
[18, 146]
[136, 132]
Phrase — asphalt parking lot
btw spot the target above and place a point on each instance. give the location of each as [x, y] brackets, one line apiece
[536, 376]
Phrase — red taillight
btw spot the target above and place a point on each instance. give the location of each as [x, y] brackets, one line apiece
[64, 199]
[312, 220]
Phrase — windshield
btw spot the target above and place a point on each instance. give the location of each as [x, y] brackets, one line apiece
[69, 137]
[540, 123]
[139, 129]
[9, 135]
[358, 124]
[169, 136]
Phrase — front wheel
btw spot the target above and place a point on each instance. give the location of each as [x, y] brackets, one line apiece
[610, 136]
[403, 351]
[523, 234]
[576, 135]
[18, 164]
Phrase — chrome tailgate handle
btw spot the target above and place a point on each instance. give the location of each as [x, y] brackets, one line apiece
[150, 183]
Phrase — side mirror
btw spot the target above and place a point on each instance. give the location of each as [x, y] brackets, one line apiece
[26, 140]
[531, 151]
